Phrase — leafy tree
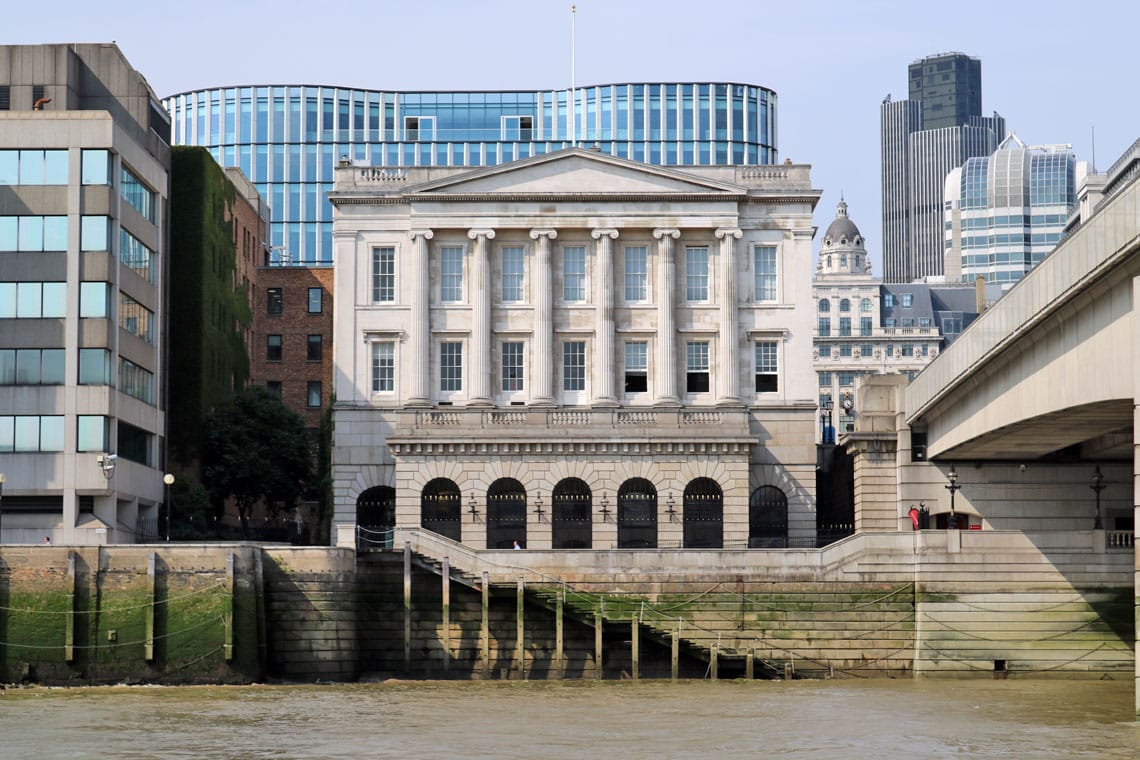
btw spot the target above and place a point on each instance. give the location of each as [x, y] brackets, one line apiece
[254, 448]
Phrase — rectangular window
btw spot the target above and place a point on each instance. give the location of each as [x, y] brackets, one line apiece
[697, 274]
[866, 350]
[765, 261]
[824, 327]
[93, 233]
[383, 367]
[274, 387]
[136, 256]
[92, 433]
[451, 274]
[136, 381]
[636, 274]
[888, 300]
[574, 274]
[451, 366]
[907, 350]
[512, 355]
[697, 367]
[313, 393]
[95, 168]
[94, 366]
[865, 328]
[574, 365]
[135, 193]
[94, 300]
[315, 300]
[824, 379]
[512, 274]
[136, 318]
[845, 350]
[274, 351]
[846, 378]
[31, 433]
[767, 380]
[383, 275]
[274, 301]
[907, 300]
[314, 350]
[845, 327]
[825, 351]
[636, 367]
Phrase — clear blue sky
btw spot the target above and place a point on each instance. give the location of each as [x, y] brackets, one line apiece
[1055, 69]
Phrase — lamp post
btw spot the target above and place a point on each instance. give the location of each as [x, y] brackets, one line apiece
[827, 432]
[538, 506]
[167, 482]
[1097, 486]
[952, 487]
[2, 479]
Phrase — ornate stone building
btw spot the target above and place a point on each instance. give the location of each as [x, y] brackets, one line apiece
[575, 351]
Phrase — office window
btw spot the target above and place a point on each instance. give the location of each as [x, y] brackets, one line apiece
[136, 318]
[314, 348]
[697, 367]
[136, 381]
[92, 433]
[907, 299]
[824, 379]
[31, 433]
[824, 327]
[33, 167]
[31, 366]
[574, 365]
[767, 379]
[313, 393]
[765, 265]
[825, 351]
[274, 387]
[135, 193]
[274, 350]
[867, 350]
[636, 274]
[845, 350]
[574, 273]
[865, 328]
[93, 233]
[636, 367]
[889, 300]
[95, 167]
[846, 378]
[315, 303]
[383, 275]
[924, 321]
[697, 273]
[844, 327]
[451, 366]
[512, 357]
[907, 350]
[383, 367]
[865, 305]
[451, 274]
[136, 256]
[33, 233]
[94, 300]
[889, 322]
[94, 366]
[275, 301]
[512, 274]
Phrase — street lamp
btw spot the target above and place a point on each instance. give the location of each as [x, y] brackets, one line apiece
[827, 432]
[538, 506]
[952, 487]
[1097, 486]
[167, 482]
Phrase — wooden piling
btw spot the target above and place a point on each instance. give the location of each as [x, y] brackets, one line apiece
[635, 648]
[598, 643]
[485, 628]
[559, 635]
[676, 654]
[519, 643]
[446, 613]
[151, 569]
[407, 606]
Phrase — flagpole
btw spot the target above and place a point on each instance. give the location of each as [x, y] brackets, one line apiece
[572, 109]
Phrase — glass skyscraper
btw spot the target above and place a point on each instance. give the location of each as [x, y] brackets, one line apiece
[1006, 212]
[288, 138]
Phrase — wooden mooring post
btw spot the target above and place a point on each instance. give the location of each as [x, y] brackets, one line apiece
[559, 634]
[676, 653]
[485, 628]
[407, 606]
[446, 578]
[519, 642]
[635, 648]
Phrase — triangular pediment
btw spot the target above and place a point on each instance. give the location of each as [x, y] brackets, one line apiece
[574, 171]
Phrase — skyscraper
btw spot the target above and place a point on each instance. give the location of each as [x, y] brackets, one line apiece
[922, 139]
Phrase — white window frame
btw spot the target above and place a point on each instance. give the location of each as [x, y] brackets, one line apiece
[520, 391]
[766, 283]
[379, 290]
[766, 363]
[640, 289]
[516, 292]
[581, 278]
[574, 396]
[450, 288]
[635, 367]
[697, 283]
[697, 362]
[450, 393]
[375, 368]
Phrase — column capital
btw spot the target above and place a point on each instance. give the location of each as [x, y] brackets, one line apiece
[604, 232]
[667, 232]
[536, 234]
[474, 234]
[425, 234]
[723, 232]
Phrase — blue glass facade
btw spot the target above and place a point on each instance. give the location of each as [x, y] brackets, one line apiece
[288, 139]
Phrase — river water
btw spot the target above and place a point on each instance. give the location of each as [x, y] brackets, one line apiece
[848, 719]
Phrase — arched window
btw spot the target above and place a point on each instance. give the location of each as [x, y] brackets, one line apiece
[440, 508]
[571, 514]
[703, 514]
[506, 514]
[844, 305]
[637, 515]
[824, 305]
[768, 519]
[376, 517]
[865, 305]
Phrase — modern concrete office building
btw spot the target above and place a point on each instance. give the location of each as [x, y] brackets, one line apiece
[919, 146]
[84, 175]
[865, 327]
[289, 138]
[1006, 212]
[576, 350]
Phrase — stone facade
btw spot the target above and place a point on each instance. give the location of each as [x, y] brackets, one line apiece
[576, 350]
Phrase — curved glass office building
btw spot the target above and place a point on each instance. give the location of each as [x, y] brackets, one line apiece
[288, 138]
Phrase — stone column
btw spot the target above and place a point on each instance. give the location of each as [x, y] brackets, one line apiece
[419, 334]
[604, 319]
[665, 383]
[728, 373]
[480, 350]
[542, 348]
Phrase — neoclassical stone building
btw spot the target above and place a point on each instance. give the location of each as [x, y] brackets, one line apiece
[576, 351]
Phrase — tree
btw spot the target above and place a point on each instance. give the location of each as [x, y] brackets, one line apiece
[254, 448]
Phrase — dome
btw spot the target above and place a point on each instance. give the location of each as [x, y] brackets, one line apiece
[842, 232]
